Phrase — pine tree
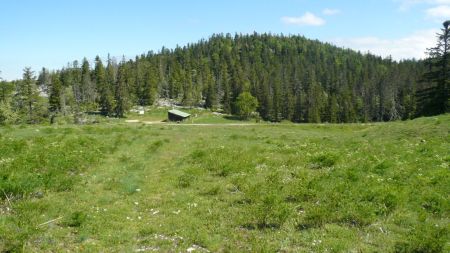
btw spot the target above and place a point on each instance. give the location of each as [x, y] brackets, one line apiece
[224, 87]
[7, 114]
[150, 86]
[315, 99]
[6, 89]
[43, 80]
[435, 99]
[105, 95]
[120, 94]
[27, 95]
[87, 87]
[211, 92]
[333, 109]
[54, 100]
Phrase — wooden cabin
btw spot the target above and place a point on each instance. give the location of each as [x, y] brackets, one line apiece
[176, 115]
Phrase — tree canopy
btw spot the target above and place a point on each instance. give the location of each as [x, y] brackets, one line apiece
[291, 78]
[246, 104]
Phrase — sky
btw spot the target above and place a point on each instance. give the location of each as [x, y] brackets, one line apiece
[51, 33]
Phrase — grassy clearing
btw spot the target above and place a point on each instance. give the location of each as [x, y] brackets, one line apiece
[123, 188]
[197, 116]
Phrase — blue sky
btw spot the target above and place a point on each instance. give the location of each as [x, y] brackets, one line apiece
[50, 34]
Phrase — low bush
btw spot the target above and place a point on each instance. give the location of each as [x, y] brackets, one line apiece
[323, 161]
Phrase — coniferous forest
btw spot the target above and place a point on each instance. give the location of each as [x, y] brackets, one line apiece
[293, 78]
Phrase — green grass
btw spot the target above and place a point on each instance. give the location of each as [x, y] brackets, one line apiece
[197, 116]
[116, 187]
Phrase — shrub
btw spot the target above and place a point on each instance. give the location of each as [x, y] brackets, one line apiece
[155, 146]
[381, 167]
[315, 217]
[246, 104]
[267, 208]
[186, 180]
[433, 202]
[424, 238]
[323, 161]
[76, 219]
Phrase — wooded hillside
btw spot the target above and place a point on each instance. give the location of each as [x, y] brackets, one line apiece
[293, 78]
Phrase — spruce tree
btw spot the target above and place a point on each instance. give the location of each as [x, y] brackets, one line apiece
[27, 94]
[435, 98]
[120, 94]
[54, 99]
[104, 89]
[87, 87]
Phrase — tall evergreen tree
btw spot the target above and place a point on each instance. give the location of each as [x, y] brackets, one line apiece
[27, 95]
[435, 99]
[43, 80]
[87, 87]
[55, 94]
[106, 99]
[54, 99]
[120, 94]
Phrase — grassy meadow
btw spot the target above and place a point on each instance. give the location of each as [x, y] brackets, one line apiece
[118, 187]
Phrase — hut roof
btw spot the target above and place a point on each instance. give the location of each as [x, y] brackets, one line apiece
[179, 113]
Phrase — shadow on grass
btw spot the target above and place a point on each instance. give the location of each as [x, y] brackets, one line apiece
[261, 226]
[232, 117]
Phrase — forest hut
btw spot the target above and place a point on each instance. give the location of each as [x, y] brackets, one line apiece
[176, 115]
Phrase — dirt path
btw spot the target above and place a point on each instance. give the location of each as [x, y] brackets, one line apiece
[191, 124]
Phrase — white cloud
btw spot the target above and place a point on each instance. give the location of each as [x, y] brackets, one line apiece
[438, 12]
[411, 46]
[330, 12]
[308, 19]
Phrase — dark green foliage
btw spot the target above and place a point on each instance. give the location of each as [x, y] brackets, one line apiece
[87, 87]
[76, 219]
[323, 161]
[291, 77]
[54, 99]
[120, 92]
[434, 98]
[105, 100]
[27, 100]
[187, 178]
[6, 90]
[7, 114]
[155, 146]
[381, 167]
[424, 238]
[267, 208]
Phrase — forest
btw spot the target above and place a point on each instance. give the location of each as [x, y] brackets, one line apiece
[292, 78]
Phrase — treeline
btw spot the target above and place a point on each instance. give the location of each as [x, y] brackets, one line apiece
[292, 78]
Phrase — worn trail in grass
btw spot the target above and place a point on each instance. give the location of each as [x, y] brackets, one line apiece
[373, 187]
